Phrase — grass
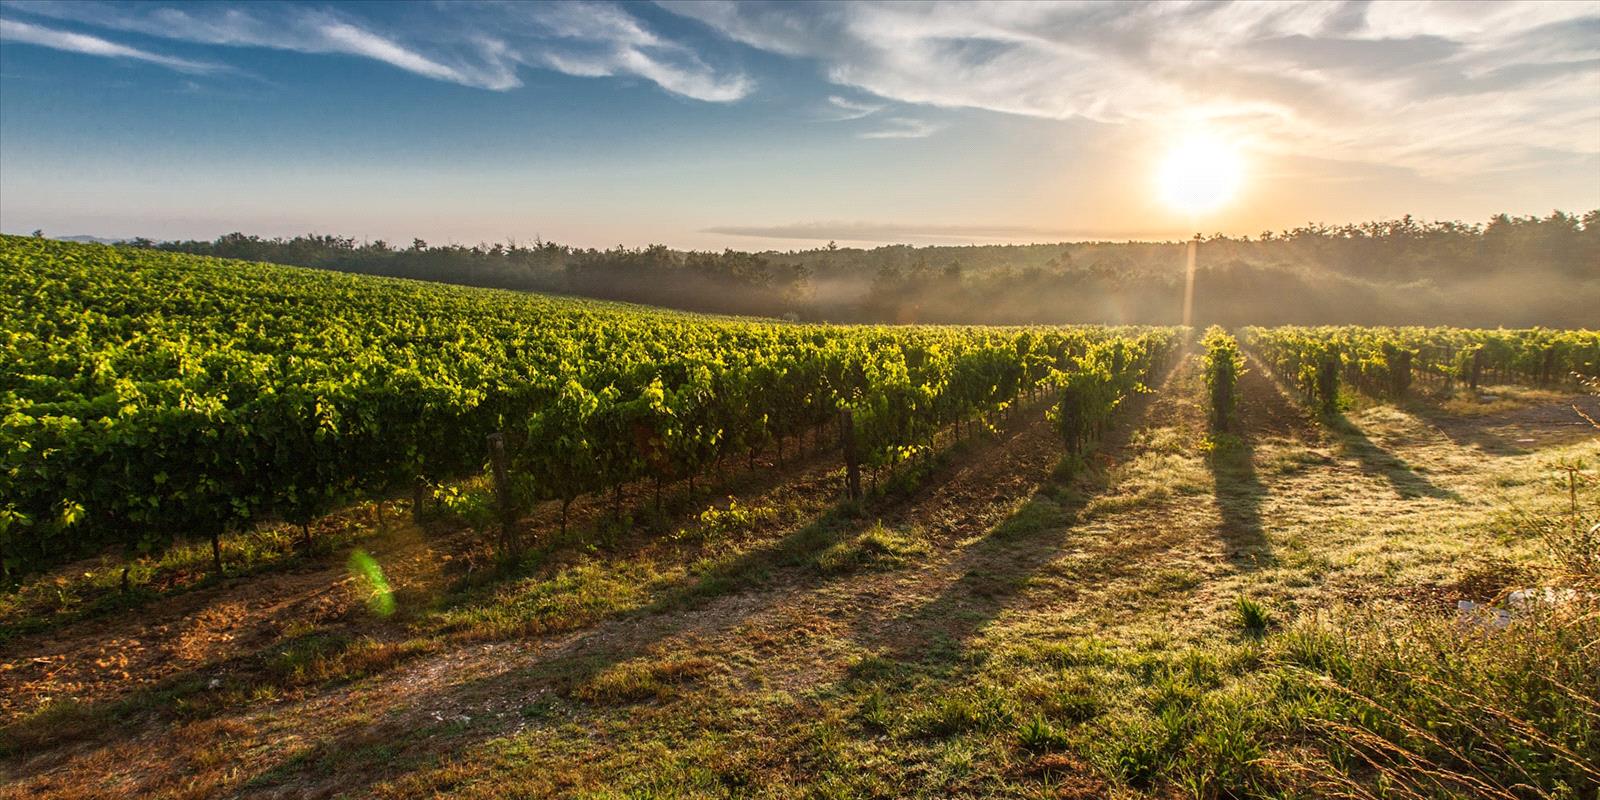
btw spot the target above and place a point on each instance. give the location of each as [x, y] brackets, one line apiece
[319, 660]
[1039, 734]
[95, 587]
[1491, 400]
[1433, 709]
[1253, 617]
[877, 547]
[652, 678]
[564, 598]
[1190, 616]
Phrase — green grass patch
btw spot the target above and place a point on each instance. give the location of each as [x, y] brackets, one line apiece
[570, 597]
[643, 679]
[877, 547]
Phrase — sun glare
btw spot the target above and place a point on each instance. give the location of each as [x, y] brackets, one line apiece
[1199, 174]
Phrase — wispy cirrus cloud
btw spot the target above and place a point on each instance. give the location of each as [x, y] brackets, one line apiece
[1437, 87]
[480, 45]
[497, 71]
[595, 40]
[842, 109]
[903, 128]
[14, 31]
[288, 28]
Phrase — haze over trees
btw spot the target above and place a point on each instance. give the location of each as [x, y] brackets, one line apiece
[1513, 271]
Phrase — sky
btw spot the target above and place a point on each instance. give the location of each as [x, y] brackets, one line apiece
[785, 125]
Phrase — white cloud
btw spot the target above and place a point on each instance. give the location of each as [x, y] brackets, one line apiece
[1438, 87]
[903, 128]
[579, 66]
[595, 40]
[693, 81]
[486, 65]
[1469, 21]
[596, 23]
[343, 37]
[477, 45]
[846, 109]
[14, 31]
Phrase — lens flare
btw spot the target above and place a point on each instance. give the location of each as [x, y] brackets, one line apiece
[364, 568]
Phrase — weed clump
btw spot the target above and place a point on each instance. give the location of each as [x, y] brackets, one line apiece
[878, 547]
[1252, 616]
[736, 518]
[646, 679]
[1037, 734]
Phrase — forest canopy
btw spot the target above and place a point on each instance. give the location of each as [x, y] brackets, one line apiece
[1512, 271]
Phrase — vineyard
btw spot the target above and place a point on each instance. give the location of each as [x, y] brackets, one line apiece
[657, 554]
[152, 395]
[872, 400]
[1385, 362]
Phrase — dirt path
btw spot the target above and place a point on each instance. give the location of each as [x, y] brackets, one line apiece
[1265, 410]
[796, 631]
[101, 658]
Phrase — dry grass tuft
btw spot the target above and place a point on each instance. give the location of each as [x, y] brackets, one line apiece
[643, 679]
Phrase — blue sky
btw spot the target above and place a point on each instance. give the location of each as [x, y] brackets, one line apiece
[709, 125]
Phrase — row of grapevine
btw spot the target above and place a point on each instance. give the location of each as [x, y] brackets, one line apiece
[153, 395]
[1531, 357]
[1300, 356]
[1384, 362]
[1096, 383]
[1223, 364]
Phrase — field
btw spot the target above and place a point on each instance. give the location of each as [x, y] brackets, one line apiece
[257, 545]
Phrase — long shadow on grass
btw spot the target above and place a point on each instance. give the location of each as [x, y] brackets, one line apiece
[1239, 494]
[1263, 410]
[1374, 460]
[417, 733]
[999, 568]
[401, 738]
[221, 687]
[1468, 432]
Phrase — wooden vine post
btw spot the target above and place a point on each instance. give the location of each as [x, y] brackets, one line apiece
[1401, 374]
[509, 542]
[852, 459]
[419, 493]
[1328, 383]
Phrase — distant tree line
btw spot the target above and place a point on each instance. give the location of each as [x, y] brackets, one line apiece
[728, 282]
[1508, 271]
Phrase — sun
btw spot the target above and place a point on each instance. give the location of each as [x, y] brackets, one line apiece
[1199, 174]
